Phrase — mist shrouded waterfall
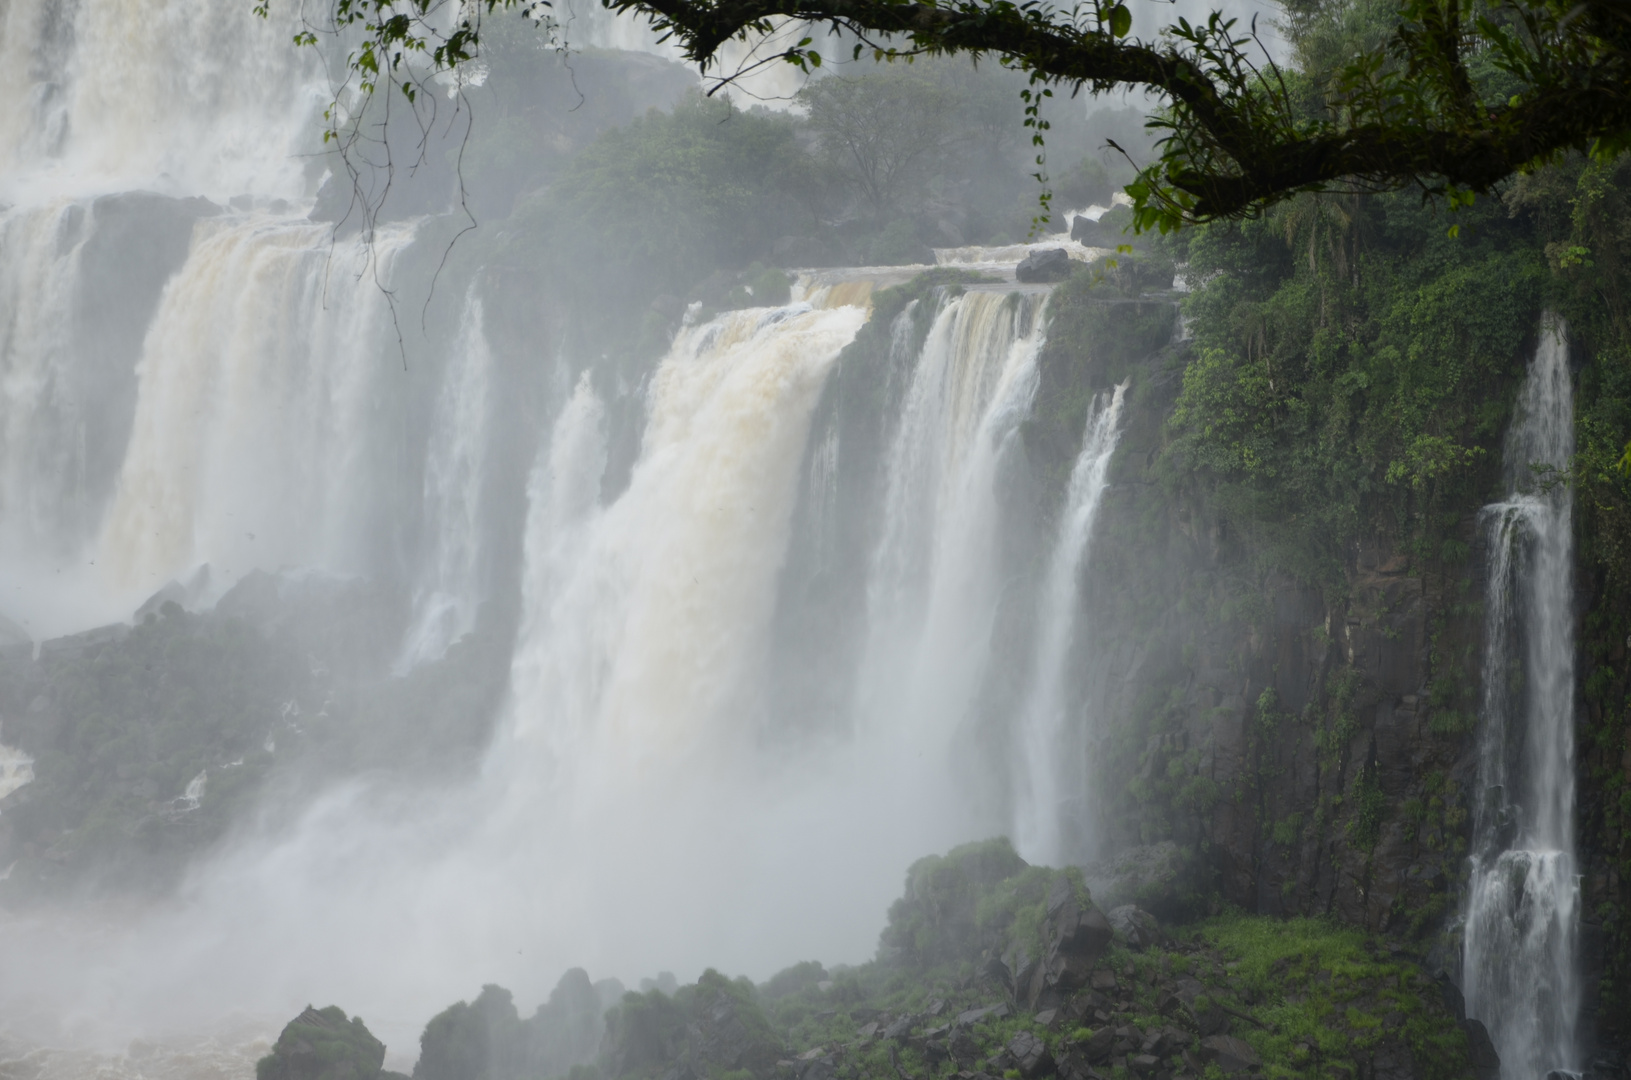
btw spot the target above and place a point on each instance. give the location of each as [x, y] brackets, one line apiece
[1045, 781]
[195, 373]
[1520, 970]
[449, 586]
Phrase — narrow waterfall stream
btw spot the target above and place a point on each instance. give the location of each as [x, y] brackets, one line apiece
[1520, 969]
[449, 585]
[1047, 775]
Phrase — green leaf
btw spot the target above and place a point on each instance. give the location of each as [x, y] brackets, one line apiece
[1121, 21]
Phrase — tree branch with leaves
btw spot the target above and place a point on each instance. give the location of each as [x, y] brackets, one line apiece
[1463, 94]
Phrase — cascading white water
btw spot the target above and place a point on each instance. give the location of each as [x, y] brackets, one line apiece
[1044, 777]
[449, 586]
[652, 634]
[41, 418]
[936, 577]
[180, 96]
[1519, 968]
[260, 429]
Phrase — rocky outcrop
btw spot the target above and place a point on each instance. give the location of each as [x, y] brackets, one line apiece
[1086, 230]
[1042, 267]
[322, 1044]
[713, 1027]
[1075, 934]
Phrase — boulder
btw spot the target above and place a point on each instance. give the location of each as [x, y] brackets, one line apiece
[1076, 934]
[1481, 1055]
[1230, 1054]
[1136, 927]
[1073, 1065]
[1031, 1055]
[1099, 1045]
[1084, 230]
[821, 1067]
[1044, 267]
[963, 1049]
[973, 1016]
[322, 1044]
[1018, 969]
[1001, 1062]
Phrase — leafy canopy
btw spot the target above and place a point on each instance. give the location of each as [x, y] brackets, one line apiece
[1453, 96]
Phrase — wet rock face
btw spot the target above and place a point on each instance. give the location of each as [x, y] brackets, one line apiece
[322, 1044]
[1314, 744]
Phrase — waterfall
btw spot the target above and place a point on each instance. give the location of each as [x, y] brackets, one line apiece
[262, 420]
[1519, 965]
[646, 642]
[449, 587]
[42, 465]
[178, 96]
[936, 578]
[1044, 779]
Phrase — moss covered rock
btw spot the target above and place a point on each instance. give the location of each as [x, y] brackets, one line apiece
[322, 1044]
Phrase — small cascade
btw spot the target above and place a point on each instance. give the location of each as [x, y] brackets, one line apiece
[1519, 965]
[1044, 778]
[937, 577]
[42, 436]
[16, 769]
[449, 586]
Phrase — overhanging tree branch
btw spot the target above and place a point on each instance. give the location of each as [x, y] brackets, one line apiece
[1235, 139]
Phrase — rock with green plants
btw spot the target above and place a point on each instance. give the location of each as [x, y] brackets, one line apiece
[992, 968]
